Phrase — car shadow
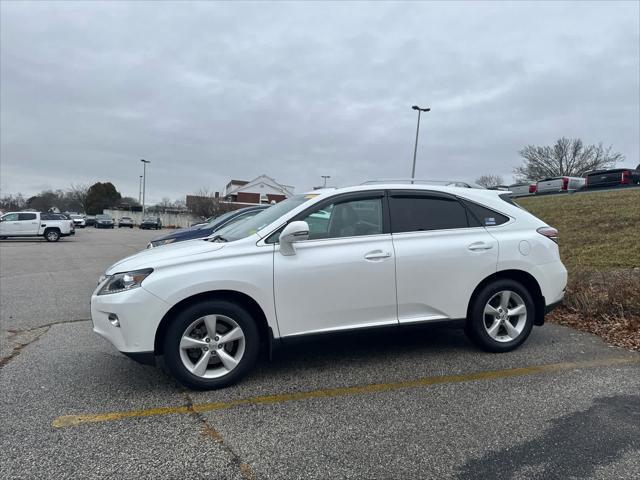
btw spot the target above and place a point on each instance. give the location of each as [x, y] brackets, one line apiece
[371, 346]
[573, 447]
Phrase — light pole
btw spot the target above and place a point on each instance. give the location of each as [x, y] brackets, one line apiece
[415, 148]
[325, 180]
[140, 191]
[144, 182]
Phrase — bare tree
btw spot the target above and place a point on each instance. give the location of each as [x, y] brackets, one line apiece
[11, 202]
[568, 157]
[78, 195]
[490, 180]
[206, 204]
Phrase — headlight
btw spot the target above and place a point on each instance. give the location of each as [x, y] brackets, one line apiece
[159, 243]
[121, 282]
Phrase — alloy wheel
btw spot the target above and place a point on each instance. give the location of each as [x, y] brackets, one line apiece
[505, 316]
[212, 346]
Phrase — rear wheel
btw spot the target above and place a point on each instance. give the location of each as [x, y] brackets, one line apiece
[501, 316]
[211, 345]
[52, 235]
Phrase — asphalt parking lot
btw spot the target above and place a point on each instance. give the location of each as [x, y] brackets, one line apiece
[421, 403]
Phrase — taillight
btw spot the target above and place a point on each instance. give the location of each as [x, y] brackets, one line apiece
[586, 182]
[532, 188]
[549, 232]
[565, 183]
[625, 177]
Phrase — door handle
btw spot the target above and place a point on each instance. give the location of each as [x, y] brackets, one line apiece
[480, 246]
[376, 255]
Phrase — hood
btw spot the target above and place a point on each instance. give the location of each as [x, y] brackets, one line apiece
[186, 234]
[167, 255]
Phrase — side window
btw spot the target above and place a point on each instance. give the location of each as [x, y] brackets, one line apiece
[26, 216]
[483, 216]
[346, 219]
[10, 217]
[420, 213]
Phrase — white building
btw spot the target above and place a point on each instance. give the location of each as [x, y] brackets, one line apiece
[262, 189]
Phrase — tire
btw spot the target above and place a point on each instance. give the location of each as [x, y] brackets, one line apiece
[490, 327]
[52, 235]
[185, 364]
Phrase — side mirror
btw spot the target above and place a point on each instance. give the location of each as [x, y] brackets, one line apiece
[294, 232]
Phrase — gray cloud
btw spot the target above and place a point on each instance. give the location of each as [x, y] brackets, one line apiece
[212, 91]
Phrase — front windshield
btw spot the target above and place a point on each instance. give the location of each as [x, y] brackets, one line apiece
[265, 217]
[103, 217]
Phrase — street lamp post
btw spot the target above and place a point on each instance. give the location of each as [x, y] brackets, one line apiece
[140, 191]
[325, 180]
[144, 183]
[415, 148]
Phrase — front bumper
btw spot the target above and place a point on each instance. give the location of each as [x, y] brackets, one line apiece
[138, 312]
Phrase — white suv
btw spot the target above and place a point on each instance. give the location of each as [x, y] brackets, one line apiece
[327, 261]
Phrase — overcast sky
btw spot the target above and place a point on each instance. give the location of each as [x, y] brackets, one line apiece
[214, 91]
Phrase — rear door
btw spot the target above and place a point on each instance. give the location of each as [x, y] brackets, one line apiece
[442, 254]
[28, 223]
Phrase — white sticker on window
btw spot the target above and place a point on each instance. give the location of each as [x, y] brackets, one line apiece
[489, 221]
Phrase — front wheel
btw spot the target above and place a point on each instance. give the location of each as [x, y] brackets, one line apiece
[211, 345]
[501, 317]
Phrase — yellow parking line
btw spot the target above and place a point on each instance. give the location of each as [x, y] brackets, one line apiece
[74, 420]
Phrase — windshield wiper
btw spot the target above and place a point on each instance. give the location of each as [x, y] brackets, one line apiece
[217, 238]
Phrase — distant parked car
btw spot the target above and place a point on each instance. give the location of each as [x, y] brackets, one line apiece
[615, 177]
[522, 189]
[560, 184]
[209, 228]
[125, 222]
[104, 221]
[90, 221]
[79, 220]
[34, 224]
[151, 223]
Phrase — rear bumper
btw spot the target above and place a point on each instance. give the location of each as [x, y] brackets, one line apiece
[145, 358]
[552, 306]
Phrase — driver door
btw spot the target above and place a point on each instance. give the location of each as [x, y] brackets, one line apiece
[343, 276]
[9, 224]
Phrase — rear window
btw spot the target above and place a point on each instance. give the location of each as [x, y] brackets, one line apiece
[26, 216]
[421, 213]
[482, 216]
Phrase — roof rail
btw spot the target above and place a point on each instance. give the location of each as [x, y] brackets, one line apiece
[443, 183]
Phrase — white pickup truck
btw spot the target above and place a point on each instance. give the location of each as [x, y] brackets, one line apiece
[34, 224]
[560, 184]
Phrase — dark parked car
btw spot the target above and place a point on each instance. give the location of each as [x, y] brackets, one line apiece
[209, 228]
[151, 223]
[125, 222]
[90, 220]
[104, 221]
[615, 177]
